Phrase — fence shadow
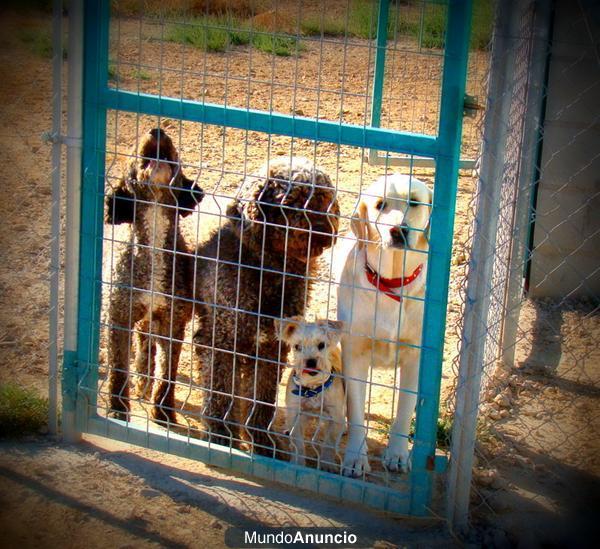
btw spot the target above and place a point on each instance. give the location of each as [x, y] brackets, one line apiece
[137, 528]
[252, 503]
[546, 340]
[558, 502]
[242, 502]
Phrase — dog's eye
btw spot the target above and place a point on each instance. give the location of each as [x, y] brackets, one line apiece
[381, 205]
[321, 346]
[297, 347]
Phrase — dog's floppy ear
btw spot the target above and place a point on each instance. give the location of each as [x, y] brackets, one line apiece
[427, 232]
[188, 195]
[287, 327]
[359, 224]
[120, 205]
[234, 209]
[335, 327]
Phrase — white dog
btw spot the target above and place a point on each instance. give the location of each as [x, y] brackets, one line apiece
[315, 387]
[384, 270]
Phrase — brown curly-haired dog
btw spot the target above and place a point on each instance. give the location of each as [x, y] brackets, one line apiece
[149, 278]
[256, 268]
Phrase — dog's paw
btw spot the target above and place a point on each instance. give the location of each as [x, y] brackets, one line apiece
[395, 459]
[330, 467]
[163, 416]
[355, 464]
[298, 459]
[329, 462]
[118, 414]
[119, 408]
[143, 387]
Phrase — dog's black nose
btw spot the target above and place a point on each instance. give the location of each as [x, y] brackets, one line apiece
[198, 193]
[311, 363]
[399, 234]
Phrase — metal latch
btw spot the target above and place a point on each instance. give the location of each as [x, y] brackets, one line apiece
[53, 138]
[471, 106]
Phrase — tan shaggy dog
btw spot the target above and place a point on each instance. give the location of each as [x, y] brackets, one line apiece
[380, 300]
[255, 265]
[315, 387]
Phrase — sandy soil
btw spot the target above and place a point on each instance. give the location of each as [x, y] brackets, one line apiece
[25, 195]
[538, 448]
[537, 461]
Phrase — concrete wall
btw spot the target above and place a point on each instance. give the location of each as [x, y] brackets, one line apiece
[566, 258]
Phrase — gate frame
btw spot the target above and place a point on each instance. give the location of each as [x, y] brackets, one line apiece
[85, 234]
[373, 156]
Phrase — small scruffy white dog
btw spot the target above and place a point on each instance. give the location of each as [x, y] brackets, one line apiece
[315, 387]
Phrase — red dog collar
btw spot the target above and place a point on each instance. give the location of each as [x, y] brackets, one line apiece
[386, 285]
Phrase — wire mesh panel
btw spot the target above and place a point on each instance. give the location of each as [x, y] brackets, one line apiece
[245, 271]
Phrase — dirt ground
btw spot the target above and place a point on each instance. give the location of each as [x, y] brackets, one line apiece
[104, 494]
[539, 466]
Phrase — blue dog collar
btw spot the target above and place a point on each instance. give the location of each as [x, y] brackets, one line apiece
[306, 392]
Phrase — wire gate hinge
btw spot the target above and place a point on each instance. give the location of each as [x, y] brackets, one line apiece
[53, 138]
[471, 106]
[70, 379]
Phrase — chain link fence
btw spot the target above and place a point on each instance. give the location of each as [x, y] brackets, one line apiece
[527, 371]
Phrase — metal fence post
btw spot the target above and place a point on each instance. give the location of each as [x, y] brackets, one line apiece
[57, 60]
[74, 130]
[482, 260]
[531, 136]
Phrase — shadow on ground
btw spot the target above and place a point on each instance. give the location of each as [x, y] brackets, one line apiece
[142, 495]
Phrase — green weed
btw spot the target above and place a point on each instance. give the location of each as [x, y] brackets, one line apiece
[425, 24]
[362, 19]
[482, 25]
[219, 34]
[22, 411]
[38, 41]
[433, 30]
[443, 434]
[141, 74]
[112, 71]
[279, 45]
[206, 34]
[434, 27]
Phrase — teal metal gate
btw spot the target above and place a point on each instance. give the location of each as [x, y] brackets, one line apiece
[80, 378]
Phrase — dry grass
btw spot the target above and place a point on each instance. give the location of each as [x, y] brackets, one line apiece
[238, 8]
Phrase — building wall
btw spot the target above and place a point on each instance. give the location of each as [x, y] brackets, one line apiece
[566, 257]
